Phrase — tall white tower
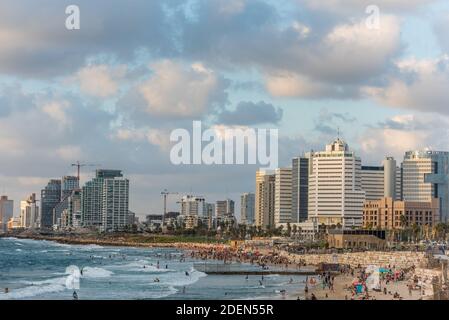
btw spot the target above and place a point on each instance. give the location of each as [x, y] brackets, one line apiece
[335, 192]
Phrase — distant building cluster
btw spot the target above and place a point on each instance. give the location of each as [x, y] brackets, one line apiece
[332, 188]
[328, 189]
[101, 204]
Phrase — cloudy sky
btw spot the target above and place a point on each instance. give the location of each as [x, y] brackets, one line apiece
[111, 92]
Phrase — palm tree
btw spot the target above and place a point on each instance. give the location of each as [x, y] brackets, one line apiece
[403, 223]
[289, 229]
[416, 230]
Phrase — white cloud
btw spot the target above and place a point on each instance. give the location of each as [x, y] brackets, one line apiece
[351, 6]
[100, 80]
[287, 84]
[420, 85]
[69, 152]
[56, 110]
[354, 52]
[180, 91]
[157, 137]
[402, 133]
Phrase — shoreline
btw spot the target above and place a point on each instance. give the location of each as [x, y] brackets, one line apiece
[224, 253]
[119, 243]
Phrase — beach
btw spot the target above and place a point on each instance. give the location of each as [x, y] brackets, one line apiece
[266, 259]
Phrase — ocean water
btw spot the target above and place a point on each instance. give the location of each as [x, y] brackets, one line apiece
[47, 270]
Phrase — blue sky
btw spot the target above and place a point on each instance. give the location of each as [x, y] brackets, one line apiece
[111, 92]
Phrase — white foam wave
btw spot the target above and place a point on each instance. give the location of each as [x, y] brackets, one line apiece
[150, 269]
[184, 280]
[90, 247]
[95, 272]
[36, 288]
[164, 292]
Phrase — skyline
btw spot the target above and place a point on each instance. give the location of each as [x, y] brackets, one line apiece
[170, 202]
[112, 99]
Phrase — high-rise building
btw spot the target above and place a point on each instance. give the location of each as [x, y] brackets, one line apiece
[224, 208]
[29, 212]
[247, 208]
[283, 196]
[392, 179]
[398, 187]
[193, 206]
[300, 189]
[265, 199]
[105, 201]
[373, 182]
[425, 176]
[74, 209]
[115, 204]
[210, 216]
[335, 188]
[68, 184]
[6, 212]
[389, 166]
[50, 197]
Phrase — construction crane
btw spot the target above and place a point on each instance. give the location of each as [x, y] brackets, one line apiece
[79, 165]
[165, 193]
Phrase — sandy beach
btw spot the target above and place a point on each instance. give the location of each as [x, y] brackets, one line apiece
[265, 258]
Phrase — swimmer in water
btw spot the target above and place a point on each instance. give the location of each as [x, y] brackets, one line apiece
[156, 280]
[75, 295]
[187, 274]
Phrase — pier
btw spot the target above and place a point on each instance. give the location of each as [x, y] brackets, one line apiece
[236, 269]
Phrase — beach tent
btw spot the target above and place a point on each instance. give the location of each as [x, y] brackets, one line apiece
[373, 281]
[372, 268]
[359, 288]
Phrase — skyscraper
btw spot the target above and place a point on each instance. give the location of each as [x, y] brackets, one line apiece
[193, 209]
[224, 208]
[300, 189]
[105, 201]
[50, 197]
[29, 212]
[68, 183]
[425, 176]
[283, 196]
[6, 212]
[265, 199]
[115, 204]
[373, 182]
[335, 191]
[247, 207]
[193, 206]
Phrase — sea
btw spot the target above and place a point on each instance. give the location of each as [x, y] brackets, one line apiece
[46, 270]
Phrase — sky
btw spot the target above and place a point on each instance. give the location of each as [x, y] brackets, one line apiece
[111, 92]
